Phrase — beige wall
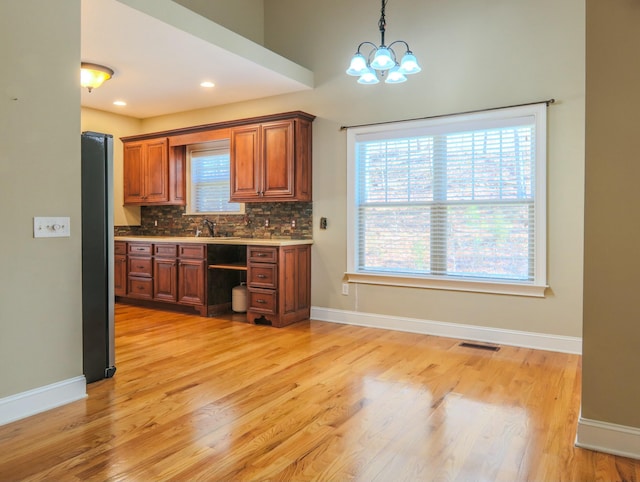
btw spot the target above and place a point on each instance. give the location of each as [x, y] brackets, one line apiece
[118, 126]
[474, 55]
[40, 286]
[244, 17]
[612, 231]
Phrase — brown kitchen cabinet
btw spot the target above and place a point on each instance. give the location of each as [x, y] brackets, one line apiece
[192, 275]
[279, 284]
[166, 272]
[139, 271]
[120, 268]
[153, 173]
[271, 161]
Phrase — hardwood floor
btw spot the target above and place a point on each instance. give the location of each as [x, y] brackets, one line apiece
[214, 399]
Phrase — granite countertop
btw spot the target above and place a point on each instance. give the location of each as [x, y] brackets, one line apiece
[217, 240]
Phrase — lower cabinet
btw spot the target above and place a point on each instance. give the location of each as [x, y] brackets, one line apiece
[140, 271]
[120, 269]
[192, 274]
[165, 272]
[279, 284]
[278, 277]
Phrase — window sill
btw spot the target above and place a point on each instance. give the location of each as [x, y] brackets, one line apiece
[477, 286]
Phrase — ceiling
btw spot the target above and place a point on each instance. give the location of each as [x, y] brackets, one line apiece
[161, 52]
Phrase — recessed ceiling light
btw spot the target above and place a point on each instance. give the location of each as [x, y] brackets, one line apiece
[207, 84]
[119, 102]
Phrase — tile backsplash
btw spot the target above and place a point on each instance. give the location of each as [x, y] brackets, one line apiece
[172, 221]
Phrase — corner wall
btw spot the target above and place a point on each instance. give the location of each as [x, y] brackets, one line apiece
[610, 415]
[40, 285]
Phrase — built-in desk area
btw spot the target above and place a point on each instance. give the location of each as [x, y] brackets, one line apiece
[201, 272]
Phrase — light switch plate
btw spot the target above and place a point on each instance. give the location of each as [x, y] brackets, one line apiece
[56, 227]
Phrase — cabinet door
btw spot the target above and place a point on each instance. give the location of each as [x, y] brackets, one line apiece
[120, 275]
[156, 171]
[245, 170]
[295, 278]
[277, 152]
[132, 170]
[165, 280]
[191, 284]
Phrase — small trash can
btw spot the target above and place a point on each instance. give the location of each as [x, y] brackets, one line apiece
[239, 298]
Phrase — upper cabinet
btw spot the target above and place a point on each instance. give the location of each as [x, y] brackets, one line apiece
[153, 174]
[271, 161]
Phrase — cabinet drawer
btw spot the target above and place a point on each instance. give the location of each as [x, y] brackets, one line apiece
[165, 250]
[140, 248]
[140, 267]
[120, 247]
[140, 288]
[192, 251]
[262, 254]
[262, 275]
[261, 301]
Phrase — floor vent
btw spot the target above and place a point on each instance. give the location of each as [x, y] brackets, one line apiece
[479, 346]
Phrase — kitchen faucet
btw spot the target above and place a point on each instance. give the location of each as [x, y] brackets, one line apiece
[211, 227]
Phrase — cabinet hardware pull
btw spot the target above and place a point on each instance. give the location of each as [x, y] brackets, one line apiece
[262, 276]
[260, 301]
[260, 255]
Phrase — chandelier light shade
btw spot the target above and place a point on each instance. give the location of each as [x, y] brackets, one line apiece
[382, 60]
[93, 76]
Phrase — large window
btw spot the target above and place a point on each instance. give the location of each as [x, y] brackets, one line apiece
[456, 202]
[209, 173]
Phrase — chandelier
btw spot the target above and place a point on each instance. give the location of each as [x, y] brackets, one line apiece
[383, 59]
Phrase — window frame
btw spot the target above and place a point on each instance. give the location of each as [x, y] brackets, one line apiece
[190, 203]
[535, 288]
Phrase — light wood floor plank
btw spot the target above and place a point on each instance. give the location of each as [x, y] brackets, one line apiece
[218, 399]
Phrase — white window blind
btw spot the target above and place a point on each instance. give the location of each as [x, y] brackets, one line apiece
[209, 173]
[455, 197]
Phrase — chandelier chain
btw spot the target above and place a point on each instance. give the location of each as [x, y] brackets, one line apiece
[382, 23]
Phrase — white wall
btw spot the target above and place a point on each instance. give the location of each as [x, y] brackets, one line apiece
[40, 285]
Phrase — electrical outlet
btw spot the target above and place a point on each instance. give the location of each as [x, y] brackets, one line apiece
[293, 224]
[266, 223]
[345, 288]
[323, 223]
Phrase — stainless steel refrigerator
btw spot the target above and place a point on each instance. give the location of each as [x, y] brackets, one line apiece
[97, 256]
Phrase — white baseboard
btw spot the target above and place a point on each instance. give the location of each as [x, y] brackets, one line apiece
[540, 341]
[40, 399]
[608, 437]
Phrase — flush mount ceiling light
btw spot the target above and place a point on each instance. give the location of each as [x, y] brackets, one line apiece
[93, 75]
[383, 59]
